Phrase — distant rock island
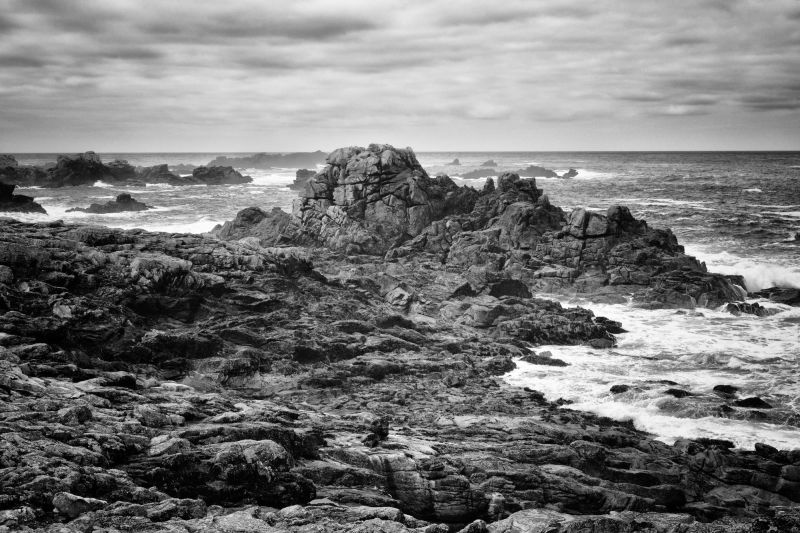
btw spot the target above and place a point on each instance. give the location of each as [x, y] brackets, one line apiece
[532, 171]
[87, 169]
[124, 202]
[267, 160]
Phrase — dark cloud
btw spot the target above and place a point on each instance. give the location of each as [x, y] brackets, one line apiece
[469, 72]
[20, 61]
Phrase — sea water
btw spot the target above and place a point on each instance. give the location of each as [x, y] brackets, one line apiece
[737, 211]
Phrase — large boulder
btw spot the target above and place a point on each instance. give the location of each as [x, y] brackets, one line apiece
[17, 203]
[252, 222]
[124, 202]
[368, 200]
[78, 169]
[301, 177]
[160, 174]
[219, 175]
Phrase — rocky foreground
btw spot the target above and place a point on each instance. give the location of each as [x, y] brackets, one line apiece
[338, 370]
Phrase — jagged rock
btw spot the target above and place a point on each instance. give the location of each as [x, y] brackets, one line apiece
[124, 202]
[218, 175]
[571, 173]
[17, 203]
[268, 228]
[739, 308]
[368, 200]
[455, 162]
[534, 171]
[265, 160]
[301, 178]
[780, 295]
[160, 174]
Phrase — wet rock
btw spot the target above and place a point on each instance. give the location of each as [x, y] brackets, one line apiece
[265, 160]
[17, 203]
[124, 202]
[678, 393]
[219, 175]
[752, 402]
[739, 308]
[543, 358]
[619, 389]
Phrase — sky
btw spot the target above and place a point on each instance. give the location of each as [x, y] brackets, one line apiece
[255, 75]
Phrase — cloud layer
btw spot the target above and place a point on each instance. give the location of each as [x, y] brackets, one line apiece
[251, 75]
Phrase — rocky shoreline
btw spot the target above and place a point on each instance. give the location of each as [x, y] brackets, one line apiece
[338, 369]
[88, 168]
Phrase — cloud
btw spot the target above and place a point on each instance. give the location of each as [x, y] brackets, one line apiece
[251, 71]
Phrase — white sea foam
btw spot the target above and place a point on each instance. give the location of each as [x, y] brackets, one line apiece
[695, 350]
[201, 225]
[103, 185]
[754, 189]
[757, 274]
[585, 174]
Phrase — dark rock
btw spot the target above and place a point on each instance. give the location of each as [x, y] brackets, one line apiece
[160, 174]
[369, 200]
[265, 160]
[619, 389]
[571, 173]
[124, 202]
[726, 391]
[268, 228]
[739, 308]
[219, 175]
[543, 358]
[534, 171]
[17, 203]
[752, 402]
[678, 393]
[455, 162]
[489, 163]
[780, 295]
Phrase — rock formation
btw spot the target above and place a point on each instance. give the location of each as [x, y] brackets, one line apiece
[17, 203]
[532, 171]
[367, 200]
[88, 168]
[265, 160]
[379, 199]
[164, 382]
[455, 162]
[124, 202]
[301, 177]
[489, 163]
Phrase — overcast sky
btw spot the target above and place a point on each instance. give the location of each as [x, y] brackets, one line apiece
[254, 75]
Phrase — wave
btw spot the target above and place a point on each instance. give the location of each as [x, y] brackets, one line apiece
[103, 185]
[754, 189]
[757, 275]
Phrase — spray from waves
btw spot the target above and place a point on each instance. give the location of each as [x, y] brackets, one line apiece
[692, 351]
[201, 225]
[757, 275]
[754, 189]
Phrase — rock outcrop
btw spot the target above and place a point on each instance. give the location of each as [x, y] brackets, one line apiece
[532, 171]
[88, 168]
[17, 203]
[301, 178]
[368, 200]
[219, 175]
[379, 200]
[265, 160]
[124, 202]
[165, 382]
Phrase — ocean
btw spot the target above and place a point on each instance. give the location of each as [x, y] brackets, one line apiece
[737, 211]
